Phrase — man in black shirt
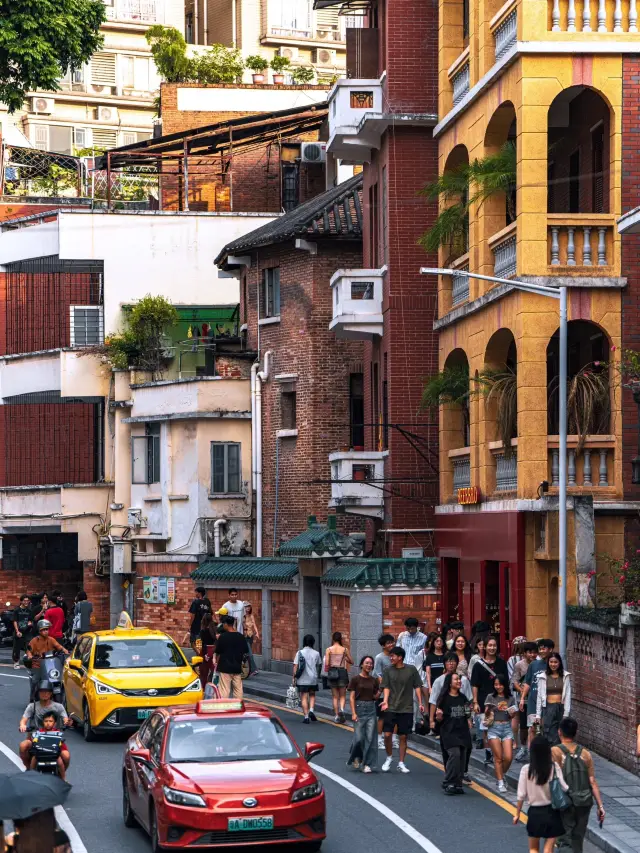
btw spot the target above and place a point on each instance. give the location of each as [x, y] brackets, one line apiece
[23, 628]
[199, 606]
[230, 650]
[482, 678]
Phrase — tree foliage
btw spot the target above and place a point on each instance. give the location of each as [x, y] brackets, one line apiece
[41, 39]
[141, 343]
[500, 385]
[217, 64]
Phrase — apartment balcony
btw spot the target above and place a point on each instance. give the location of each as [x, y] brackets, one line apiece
[503, 246]
[356, 120]
[210, 397]
[594, 16]
[461, 464]
[592, 468]
[460, 282]
[136, 11]
[504, 28]
[506, 466]
[357, 304]
[460, 82]
[581, 240]
[357, 481]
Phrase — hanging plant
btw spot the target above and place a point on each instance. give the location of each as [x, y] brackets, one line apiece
[500, 385]
[449, 386]
[588, 403]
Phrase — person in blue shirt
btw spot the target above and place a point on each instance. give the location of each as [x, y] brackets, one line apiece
[529, 694]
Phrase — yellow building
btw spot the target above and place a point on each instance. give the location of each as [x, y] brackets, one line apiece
[547, 77]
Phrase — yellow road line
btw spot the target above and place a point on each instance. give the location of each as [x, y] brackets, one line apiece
[489, 795]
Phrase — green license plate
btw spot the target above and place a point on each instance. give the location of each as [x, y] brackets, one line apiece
[143, 713]
[249, 824]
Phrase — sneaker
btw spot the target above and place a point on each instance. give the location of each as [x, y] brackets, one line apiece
[458, 789]
[502, 787]
[367, 769]
[521, 753]
[402, 767]
[450, 790]
[467, 779]
[488, 756]
[380, 741]
[395, 741]
[306, 720]
[341, 717]
[387, 764]
[313, 717]
[336, 719]
[16, 666]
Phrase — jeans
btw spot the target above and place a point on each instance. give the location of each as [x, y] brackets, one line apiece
[365, 736]
[252, 663]
[455, 766]
[574, 820]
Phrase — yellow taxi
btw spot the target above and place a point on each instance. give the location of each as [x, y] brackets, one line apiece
[115, 679]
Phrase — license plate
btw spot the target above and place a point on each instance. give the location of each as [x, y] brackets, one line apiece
[143, 713]
[249, 824]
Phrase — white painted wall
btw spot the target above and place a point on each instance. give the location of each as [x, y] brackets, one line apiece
[83, 375]
[20, 244]
[247, 100]
[204, 395]
[29, 375]
[16, 505]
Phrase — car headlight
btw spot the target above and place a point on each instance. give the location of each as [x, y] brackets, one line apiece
[103, 689]
[308, 792]
[194, 687]
[183, 798]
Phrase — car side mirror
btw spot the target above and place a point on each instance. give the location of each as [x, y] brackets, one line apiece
[74, 663]
[142, 756]
[312, 749]
[196, 660]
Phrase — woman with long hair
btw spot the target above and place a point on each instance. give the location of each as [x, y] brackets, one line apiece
[430, 664]
[336, 661]
[306, 666]
[533, 786]
[462, 648]
[363, 691]
[250, 629]
[453, 712]
[554, 697]
[499, 709]
[206, 646]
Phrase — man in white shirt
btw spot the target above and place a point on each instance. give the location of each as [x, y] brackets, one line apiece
[412, 640]
[235, 608]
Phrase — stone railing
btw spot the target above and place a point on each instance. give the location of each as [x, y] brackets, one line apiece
[580, 239]
[461, 469]
[590, 468]
[506, 466]
[504, 248]
[601, 16]
[460, 286]
[460, 82]
[505, 34]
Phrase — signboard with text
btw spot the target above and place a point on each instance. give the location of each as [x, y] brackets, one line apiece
[469, 495]
[160, 590]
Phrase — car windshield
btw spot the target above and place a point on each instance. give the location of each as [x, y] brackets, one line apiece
[136, 654]
[214, 740]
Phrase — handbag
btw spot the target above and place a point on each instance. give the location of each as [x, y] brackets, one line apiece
[293, 697]
[559, 797]
[301, 665]
[333, 673]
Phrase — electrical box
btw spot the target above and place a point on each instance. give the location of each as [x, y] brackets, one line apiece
[121, 558]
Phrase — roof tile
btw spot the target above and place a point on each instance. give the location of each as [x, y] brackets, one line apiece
[254, 569]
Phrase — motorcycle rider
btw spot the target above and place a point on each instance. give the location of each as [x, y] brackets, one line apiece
[49, 729]
[23, 626]
[34, 715]
[39, 646]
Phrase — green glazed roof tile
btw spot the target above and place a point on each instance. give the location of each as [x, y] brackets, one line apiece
[385, 573]
[240, 569]
[321, 540]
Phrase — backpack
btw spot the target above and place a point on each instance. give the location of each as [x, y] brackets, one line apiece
[301, 665]
[576, 776]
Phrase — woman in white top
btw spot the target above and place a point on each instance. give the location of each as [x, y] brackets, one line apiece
[554, 697]
[533, 786]
[305, 676]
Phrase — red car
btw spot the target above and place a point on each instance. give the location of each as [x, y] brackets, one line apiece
[219, 774]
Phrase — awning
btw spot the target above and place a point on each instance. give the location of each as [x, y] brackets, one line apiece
[374, 573]
[246, 570]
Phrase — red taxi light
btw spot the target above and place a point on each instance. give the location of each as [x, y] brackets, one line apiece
[218, 706]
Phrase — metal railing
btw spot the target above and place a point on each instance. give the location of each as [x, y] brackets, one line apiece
[461, 473]
[506, 472]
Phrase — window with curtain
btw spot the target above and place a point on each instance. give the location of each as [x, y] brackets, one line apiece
[290, 16]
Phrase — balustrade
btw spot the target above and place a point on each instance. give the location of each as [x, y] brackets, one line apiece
[588, 468]
[589, 16]
[506, 471]
[580, 245]
[461, 473]
[460, 287]
[460, 82]
[505, 34]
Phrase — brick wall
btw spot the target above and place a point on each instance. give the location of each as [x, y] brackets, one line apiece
[409, 33]
[397, 608]
[97, 589]
[341, 617]
[284, 624]
[605, 668]
[15, 584]
[175, 619]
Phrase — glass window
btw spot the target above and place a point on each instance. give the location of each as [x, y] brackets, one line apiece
[137, 654]
[222, 739]
[225, 468]
[145, 451]
[155, 747]
[271, 292]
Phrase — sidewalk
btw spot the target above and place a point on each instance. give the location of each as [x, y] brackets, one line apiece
[620, 789]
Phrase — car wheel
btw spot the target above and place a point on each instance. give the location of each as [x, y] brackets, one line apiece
[153, 831]
[88, 733]
[312, 847]
[127, 812]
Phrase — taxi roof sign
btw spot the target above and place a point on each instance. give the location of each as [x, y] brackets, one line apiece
[218, 706]
[125, 621]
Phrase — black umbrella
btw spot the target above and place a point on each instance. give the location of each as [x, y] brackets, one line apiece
[25, 794]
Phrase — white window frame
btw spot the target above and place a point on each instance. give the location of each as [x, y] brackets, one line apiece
[87, 137]
[72, 335]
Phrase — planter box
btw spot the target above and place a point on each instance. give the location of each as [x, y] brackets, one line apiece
[629, 615]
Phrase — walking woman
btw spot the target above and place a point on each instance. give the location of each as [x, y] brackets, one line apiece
[543, 821]
[454, 715]
[336, 660]
[554, 697]
[207, 646]
[478, 647]
[499, 709]
[462, 648]
[305, 676]
[250, 634]
[362, 698]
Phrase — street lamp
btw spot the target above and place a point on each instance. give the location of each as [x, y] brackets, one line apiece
[559, 293]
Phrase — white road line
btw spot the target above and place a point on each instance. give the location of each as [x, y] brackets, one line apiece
[10, 675]
[77, 844]
[409, 830]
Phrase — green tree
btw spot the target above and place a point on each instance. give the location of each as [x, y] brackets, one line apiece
[41, 39]
[169, 51]
[219, 64]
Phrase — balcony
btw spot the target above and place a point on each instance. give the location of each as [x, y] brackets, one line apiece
[355, 119]
[210, 396]
[357, 304]
[461, 463]
[506, 466]
[580, 239]
[136, 11]
[357, 481]
[460, 283]
[460, 82]
[504, 245]
[592, 468]
[505, 31]
[601, 16]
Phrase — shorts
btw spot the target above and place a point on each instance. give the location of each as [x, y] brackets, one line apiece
[379, 712]
[404, 722]
[342, 680]
[307, 688]
[531, 718]
[500, 731]
[524, 724]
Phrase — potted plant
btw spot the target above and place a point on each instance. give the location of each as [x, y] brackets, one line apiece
[258, 64]
[303, 75]
[278, 65]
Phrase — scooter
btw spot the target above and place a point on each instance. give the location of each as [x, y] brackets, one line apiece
[51, 666]
[46, 748]
[6, 627]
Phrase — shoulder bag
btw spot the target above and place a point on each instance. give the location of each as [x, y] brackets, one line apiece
[559, 797]
[333, 673]
[301, 665]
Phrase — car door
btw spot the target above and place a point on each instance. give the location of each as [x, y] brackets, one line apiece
[140, 740]
[73, 683]
[145, 774]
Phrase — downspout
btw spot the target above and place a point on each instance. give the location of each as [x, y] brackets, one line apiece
[205, 21]
[217, 524]
[261, 377]
[234, 24]
[254, 382]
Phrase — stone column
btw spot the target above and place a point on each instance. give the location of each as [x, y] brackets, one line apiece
[585, 548]
[266, 628]
[366, 624]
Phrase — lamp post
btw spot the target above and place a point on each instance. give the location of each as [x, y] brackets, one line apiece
[559, 293]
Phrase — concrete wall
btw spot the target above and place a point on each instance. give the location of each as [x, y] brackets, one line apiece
[83, 375]
[250, 99]
[213, 394]
[89, 505]
[29, 375]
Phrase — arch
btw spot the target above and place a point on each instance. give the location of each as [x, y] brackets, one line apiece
[456, 415]
[501, 126]
[457, 162]
[499, 384]
[457, 157]
[588, 380]
[579, 123]
[501, 350]
[501, 130]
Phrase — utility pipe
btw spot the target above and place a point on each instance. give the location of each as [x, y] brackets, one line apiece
[205, 21]
[261, 377]
[195, 22]
[217, 524]
[234, 23]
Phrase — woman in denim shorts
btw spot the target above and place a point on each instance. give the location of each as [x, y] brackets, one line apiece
[500, 706]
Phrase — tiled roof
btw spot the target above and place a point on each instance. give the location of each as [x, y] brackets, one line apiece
[374, 573]
[319, 540]
[241, 569]
[335, 213]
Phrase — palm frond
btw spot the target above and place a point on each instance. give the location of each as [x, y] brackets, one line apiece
[451, 224]
[588, 403]
[501, 385]
[450, 185]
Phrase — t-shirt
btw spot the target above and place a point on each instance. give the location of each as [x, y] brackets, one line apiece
[55, 615]
[559, 756]
[312, 661]
[366, 689]
[22, 616]
[236, 609]
[35, 709]
[483, 679]
[436, 662]
[531, 678]
[85, 609]
[519, 672]
[231, 648]
[438, 684]
[199, 606]
[402, 682]
[38, 646]
[454, 728]
[500, 707]
[381, 663]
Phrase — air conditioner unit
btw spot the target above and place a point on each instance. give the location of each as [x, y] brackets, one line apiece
[101, 90]
[313, 152]
[291, 53]
[109, 115]
[324, 57]
[327, 35]
[43, 106]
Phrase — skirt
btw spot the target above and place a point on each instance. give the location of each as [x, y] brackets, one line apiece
[342, 680]
[544, 822]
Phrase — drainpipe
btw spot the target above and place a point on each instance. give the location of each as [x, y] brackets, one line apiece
[234, 24]
[217, 524]
[205, 22]
[254, 381]
[261, 377]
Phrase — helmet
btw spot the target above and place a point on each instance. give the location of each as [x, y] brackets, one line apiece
[45, 685]
[43, 623]
[223, 611]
